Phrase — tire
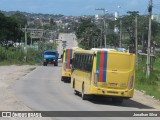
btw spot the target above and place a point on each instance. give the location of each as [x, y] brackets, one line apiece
[76, 92]
[62, 78]
[44, 64]
[56, 63]
[83, 95]
[117, 100]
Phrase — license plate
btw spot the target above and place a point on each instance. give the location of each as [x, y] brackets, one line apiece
[113, 84]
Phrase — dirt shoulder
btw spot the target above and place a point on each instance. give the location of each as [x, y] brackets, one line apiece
[141, 97]
[8, 76]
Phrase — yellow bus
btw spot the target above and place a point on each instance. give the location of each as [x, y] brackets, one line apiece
[103, 73]
[66, 66]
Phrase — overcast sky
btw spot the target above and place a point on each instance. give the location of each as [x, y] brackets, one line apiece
[78, 7]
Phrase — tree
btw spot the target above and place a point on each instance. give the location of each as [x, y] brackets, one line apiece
[9, 30]
[20, 18]
[88, 34]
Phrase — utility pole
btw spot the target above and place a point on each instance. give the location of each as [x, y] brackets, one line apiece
[104, 19]
[101, 37]
[120, 34]
[25, 44]
[149, 42]
[136, 42]
[104, 22]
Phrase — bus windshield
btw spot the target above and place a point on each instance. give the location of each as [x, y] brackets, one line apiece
[50, 53]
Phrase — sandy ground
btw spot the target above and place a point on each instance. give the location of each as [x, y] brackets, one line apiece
[8, 77]
[147, 100]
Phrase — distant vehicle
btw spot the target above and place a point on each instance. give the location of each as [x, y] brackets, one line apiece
[50, 56]
[66, 63]
[121, 49]
[64, 41]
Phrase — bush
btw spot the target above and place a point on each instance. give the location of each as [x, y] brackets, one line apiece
[16, 56]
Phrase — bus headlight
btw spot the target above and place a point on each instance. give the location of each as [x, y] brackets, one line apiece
[44, 60]
[96, 78]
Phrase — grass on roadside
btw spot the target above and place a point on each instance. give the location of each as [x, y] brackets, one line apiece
[16, 56]
[151, 86]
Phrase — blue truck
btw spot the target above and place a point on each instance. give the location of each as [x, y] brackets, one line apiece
[50, 56]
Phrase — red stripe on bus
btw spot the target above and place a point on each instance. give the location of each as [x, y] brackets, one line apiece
[101, 66]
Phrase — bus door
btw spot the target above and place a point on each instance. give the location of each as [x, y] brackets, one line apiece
[88, 63]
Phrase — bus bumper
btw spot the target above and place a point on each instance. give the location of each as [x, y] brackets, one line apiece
[112, 92]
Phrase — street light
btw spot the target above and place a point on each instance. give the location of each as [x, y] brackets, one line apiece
[104, 22]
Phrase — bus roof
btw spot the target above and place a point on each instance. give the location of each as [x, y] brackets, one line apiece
[95, 51]
[104, 49]
[73, 48]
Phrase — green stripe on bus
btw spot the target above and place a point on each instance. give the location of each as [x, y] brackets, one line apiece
[66, 57]
[98, 61]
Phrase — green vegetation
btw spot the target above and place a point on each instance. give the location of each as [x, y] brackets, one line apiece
[16, 56]
[13, 55]
[91, 32]
[151, 86]
[10, 33]
[10, 29]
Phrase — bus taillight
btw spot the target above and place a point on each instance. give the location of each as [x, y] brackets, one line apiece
[65, 65]
[131, 82]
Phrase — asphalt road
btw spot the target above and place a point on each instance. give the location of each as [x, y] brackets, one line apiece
[70, 39]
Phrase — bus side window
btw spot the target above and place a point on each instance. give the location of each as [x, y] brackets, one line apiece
[75, 60]
[85, 68]
[83, 62]
[87, 63]
[79, 60]
[91, 63]
[76, 65]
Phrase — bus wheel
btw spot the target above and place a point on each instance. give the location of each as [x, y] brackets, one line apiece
[84, 96]
[62, 78]
[117, 100]
[76, 92]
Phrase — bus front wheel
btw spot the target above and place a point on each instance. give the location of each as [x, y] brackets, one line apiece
[84, 96]
[75, 91]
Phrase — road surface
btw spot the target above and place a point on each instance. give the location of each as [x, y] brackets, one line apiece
[70, 39]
